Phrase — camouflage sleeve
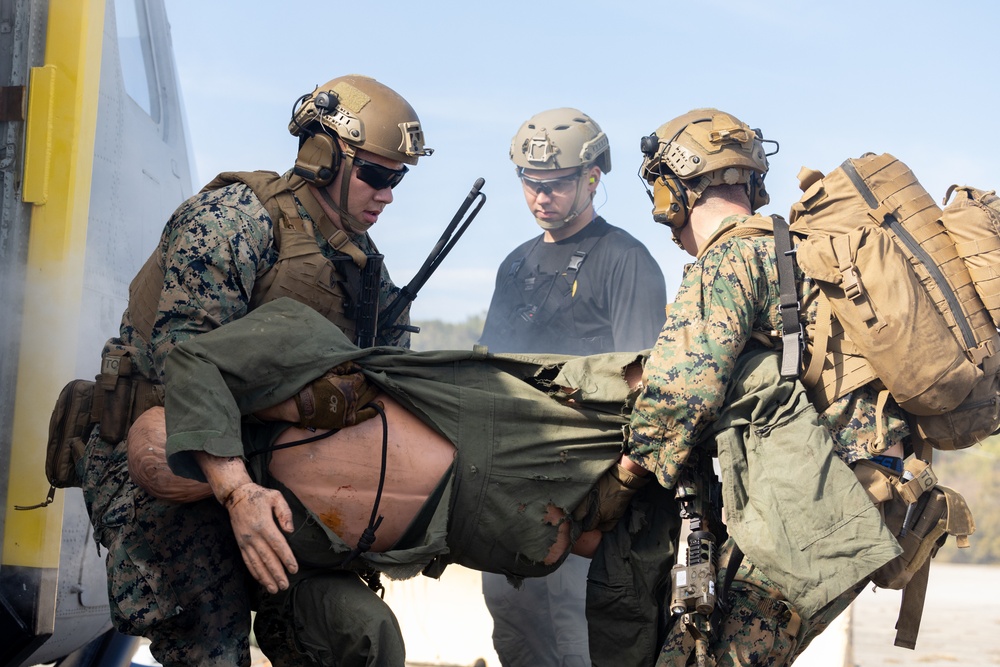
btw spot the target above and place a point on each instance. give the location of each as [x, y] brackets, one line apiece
[214, 247]
[692, 362]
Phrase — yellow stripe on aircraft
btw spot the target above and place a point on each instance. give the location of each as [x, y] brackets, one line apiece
[62, 122]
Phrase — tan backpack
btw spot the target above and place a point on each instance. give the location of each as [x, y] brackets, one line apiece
[899, 304]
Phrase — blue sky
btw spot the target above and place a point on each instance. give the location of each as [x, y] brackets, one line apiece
[827, 80]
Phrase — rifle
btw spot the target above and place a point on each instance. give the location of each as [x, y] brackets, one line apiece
[367, 300]
[440, 250]
[694, 597]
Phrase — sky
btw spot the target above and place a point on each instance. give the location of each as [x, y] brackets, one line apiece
[826, 80]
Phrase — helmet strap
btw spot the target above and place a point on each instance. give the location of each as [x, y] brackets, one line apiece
[352, 224]
[577, 208]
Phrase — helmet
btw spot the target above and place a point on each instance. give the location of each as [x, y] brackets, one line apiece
[560, 139]
[701, 148]
[364, 114]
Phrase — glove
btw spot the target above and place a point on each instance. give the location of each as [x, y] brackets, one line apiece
[337, 399]
[606, 502]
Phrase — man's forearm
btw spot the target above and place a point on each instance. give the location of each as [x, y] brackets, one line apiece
[224, 475]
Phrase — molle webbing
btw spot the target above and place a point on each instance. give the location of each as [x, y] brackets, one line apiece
[931, 250]
[973, 221]
[302, 272]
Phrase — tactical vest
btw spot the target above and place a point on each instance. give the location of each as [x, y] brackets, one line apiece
[302, 272]
[120, 393]
[539, 321]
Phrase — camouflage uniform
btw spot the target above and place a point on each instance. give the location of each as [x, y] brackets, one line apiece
[175, 574]
[729, 293]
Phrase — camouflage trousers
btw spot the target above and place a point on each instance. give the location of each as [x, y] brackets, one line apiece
[760, 629]
[175, 573]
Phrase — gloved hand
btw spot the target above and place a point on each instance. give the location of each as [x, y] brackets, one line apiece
[337, 399]
[606, 502]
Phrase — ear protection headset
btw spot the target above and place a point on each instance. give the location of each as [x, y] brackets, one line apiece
[319, 157]
[318, 160]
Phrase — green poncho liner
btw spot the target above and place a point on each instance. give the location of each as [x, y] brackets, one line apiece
[792, 505]
[794, 508]
[521, 443]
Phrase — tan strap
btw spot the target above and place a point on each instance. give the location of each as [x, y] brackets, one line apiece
[923, 480]
[342, 243]
[820, 341]
[981, 273]
[288, 213]
[911, 608]
[880, 402]
[337, 238]
[922, 449]
[755, 225]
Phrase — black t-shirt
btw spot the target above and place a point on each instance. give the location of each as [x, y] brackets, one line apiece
[613, 301]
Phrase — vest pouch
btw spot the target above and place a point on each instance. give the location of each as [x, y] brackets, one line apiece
[937, 511]
[122, 395]
[887, 315]
[68, 427]
[116, 406]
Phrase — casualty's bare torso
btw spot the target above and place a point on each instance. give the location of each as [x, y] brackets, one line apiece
[337, 477]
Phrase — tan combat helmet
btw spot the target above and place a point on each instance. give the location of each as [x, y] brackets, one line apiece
[562, 139]
[364, 114]
[701, 148]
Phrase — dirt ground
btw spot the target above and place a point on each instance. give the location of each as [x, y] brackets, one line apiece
[960, 625]
[446, 623]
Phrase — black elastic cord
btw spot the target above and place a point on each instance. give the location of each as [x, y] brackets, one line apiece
[367, 538]
[295, 443]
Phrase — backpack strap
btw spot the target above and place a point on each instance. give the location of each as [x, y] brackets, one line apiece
[792, 332]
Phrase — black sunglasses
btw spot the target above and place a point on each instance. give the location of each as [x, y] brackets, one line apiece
[377, 176]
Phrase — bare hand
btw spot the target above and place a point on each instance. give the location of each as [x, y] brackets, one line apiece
[257, 514]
